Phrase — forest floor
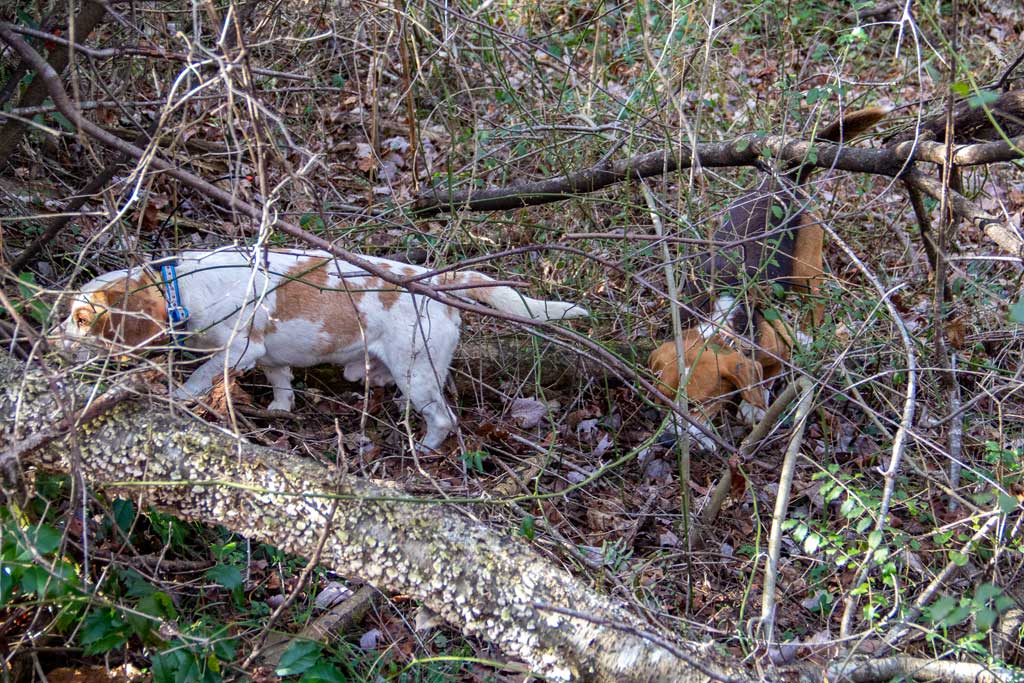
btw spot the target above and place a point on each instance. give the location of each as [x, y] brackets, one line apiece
[559, 451]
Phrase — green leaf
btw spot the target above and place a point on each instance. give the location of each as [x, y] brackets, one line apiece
[957, 616]
[771, 315]
[982, 98]
[225, 575]
[958, 558]
[986, 592]
[44, 539]
[158, 604]
[175, 665]
[323, 672]
[874, 539]
[811, 543]
[833, 495]
[527, 527]
[29, 290]
[8, 577]
[224, 647]
[1003, 603]
[33, 580]
[299, 657]
[63, 122]
[1016, 313]
[124, 513]
[941, 608]
[846, 509]
[102, 631]
[985, 618]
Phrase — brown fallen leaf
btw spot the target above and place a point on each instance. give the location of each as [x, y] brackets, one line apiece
[217, 399]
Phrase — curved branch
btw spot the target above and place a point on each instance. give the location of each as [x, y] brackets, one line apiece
[915, 668]
[1000, 232]
[140, 51]
[747, 150]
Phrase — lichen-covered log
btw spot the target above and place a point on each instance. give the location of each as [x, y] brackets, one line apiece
[488, 584]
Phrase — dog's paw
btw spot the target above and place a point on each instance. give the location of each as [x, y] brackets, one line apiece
[697, 438]
[283, 406]
[751, 414]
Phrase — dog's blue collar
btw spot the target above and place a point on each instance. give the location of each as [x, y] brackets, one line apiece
[177, 315]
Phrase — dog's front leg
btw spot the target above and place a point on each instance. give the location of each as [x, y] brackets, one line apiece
[239, 357]
[677, 427]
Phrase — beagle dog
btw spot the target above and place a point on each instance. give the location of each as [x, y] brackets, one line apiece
[768, 248]
[281, 309]
[720, 364]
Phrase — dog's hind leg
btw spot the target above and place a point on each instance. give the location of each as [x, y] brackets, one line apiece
[425, 391]
[808, 273]
[420, 367]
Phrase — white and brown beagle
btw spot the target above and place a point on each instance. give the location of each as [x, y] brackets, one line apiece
[769, 245]
[294, 308]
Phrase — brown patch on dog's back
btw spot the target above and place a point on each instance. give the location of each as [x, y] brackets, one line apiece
[306, 294]
[387, 292]
[477, 286]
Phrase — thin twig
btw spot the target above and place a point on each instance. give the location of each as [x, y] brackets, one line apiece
[766, 623]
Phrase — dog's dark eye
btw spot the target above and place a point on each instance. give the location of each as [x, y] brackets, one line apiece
[82, 320]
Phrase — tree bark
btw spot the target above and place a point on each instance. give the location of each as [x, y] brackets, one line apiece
[1001, 119]
[489, 584]
[918, 669]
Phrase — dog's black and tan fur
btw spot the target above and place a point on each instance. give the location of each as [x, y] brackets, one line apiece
[769, 242]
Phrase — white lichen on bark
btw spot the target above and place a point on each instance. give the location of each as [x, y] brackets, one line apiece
[488, 584]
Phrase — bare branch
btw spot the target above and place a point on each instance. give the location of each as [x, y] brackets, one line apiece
[915, 668]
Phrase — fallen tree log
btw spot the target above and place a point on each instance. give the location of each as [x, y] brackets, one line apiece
[488, 584]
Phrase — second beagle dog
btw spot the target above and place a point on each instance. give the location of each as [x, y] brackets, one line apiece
[719, 364]
[769, 246]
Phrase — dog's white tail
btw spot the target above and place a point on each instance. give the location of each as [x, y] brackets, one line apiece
[479, 288]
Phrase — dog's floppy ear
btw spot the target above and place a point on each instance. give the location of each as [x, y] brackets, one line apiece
[136, 312]
[663, 362]
[748, 376]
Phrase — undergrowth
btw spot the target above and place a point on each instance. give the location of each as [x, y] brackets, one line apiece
[500, 94]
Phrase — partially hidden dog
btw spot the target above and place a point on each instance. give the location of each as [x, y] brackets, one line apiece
[281, 309]
[768, 251]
